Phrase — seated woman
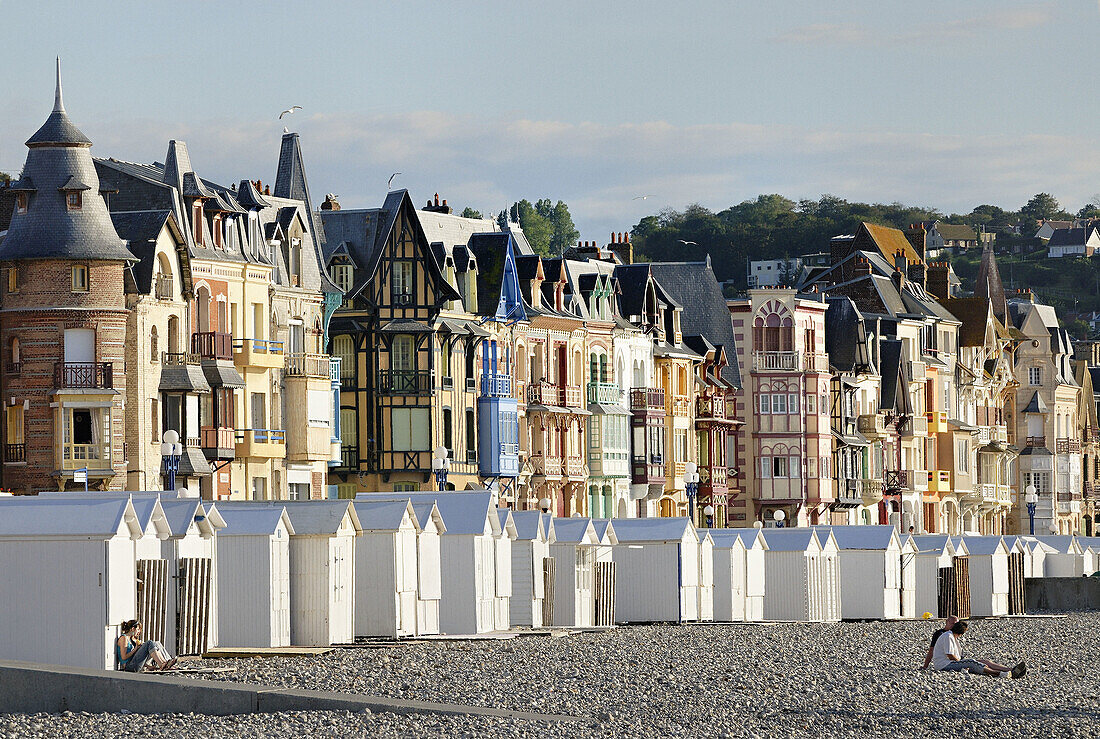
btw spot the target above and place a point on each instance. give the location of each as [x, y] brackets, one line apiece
[134, 654]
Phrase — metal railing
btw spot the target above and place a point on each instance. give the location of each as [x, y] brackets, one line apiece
[83, 374]
[301, 364]
[261, 436]
[789, 361]
[180, 358]
[605, 393]
[15, 452]
[1067, 446]
[496, 385]
[710, 407]
[164, 287]
[212, 344]
[259, 346]
[647, 398]
[405, 382]
[680, 405]
[349, 456]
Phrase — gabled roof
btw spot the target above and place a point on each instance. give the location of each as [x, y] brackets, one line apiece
[725, 538]
[888, 240]
[579, 531]
[530, 525]
[653, 530]
[955, 231]
[426, 511]
[974, 314]
[984, 545]
[253, 520]
[384, 515]
[1070, 237]
[1036, 405]
[863, 537]
[937, 543]
[291, 182]
[753, 538]
[181, 514]
[27, 516]
[320, 517]
[1060, 544]
[605, 531]
[464, 513]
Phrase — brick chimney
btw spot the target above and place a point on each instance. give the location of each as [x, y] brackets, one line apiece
[437, 207]
[620, 245]
[331, 203]
[861, 267]
[939, 280]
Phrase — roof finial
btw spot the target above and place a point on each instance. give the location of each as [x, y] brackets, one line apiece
[58, 106]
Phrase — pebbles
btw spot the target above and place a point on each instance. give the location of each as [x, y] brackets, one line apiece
[767, 680]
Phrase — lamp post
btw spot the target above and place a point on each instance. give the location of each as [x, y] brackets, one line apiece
[779, 516]
[691, 487]
[171, 450]
[1030, 498]
[440, 465]
[544, 504]
[708, 511]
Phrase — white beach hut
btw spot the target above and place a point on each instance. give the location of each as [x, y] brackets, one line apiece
[67, 580]
[801, 575]
[754, 582]
[530, 550]
[729, 575]
[428, 582]
[473, 586]
[659, 574]
[988, 558]
[603, 580]
[574, 552]
[1067, 559]
[253, 582]
[386, 568]
[877, 572]
[933, 559]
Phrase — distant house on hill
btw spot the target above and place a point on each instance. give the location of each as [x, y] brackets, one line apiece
[1047, 228]
[954, 236]
[1073, 242]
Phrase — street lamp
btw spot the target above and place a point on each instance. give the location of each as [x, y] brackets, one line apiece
[1054, 528]
[691, 487]
[779, 516]
[1030, 498]
[544, 504]
[708, 511]
[171, 450]
[440, 465]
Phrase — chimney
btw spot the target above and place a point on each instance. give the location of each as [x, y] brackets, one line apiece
[437, 200]
[861, 268]
[939, 280]
[331, 203]
[917, 237]
[621, 246]
[267, 189]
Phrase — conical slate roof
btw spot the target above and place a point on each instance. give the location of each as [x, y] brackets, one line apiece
[58, 164]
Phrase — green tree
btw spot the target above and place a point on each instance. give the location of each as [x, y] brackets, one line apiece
[469, 212]
[565, 233]
[1041, 207]
[535, 226]
[5, 178]
[548, 225]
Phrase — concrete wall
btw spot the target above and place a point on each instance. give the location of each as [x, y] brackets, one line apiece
[1061, 594]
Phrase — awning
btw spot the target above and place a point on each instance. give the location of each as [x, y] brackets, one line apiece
[477, 330]
[184, 378]
[962, 426]
[853, 439]
[220, 375]
[540, 408]
[341, 325]
[451, 326]
[846, 502]
[193, 462]
[608, 409]
[405, 326]
[995, 447]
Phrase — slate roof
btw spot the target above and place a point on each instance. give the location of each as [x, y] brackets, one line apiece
[862, 537]
[1069, 237]
[464, 513]
[844, 335]
[656, 530]
[1036, 405]
[382, 515]
[973, 313]
[23, 516]
[141, 229]
[291, 182]
[253, 520]
[705, 314]
[575, 531]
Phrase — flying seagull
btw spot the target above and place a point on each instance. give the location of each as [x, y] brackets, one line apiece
[640, 197]
[289, 110]
[687, 243]
[390, 180]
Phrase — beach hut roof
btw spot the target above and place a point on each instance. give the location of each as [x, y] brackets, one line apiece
[254, 520]
[862, 537]
[792, 539]
[725, 538]
[1062, 544]
[751, 538]
[464, 513]
[427, 511]
[982, 545]
[384, 515]
[605, 531]
[936, 543]
[181, 513]
[575, 531]
[653, 529]
[530, 525]
[24, 516]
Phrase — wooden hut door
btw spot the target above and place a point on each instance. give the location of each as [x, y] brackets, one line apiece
[548, 570]
[604, 594]
[1016, 583]
[962, 587]
[152, 597]
[193, 605]
[947, 592]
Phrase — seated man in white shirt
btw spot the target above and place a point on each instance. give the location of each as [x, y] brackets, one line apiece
[947, 656]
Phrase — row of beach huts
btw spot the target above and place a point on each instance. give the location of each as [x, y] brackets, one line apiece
[394, 565]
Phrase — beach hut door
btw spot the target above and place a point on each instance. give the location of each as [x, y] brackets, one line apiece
[1016, 583]
[152, 596]
[193, 605]
[548, 570]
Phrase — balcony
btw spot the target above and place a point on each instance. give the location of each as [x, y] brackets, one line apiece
[404, 382]
[217, 442]
[349, 457]
[543, 393]
[900, 481]
[83, 375]
[870, 491]
[604, 393]
[939, 481]
[1035, 441]
[574, 467]
[985, 492]
[546, 466]
[164, 287]
[872, 425]
[258, 354]
[916, 427]
[937, 421]
[571, 396]
[711, 406]
[308, 365]
[680, 405]
[496, 385]
[15, 453]
[647, 398]
[713, 477]
[647, 469]
[789, 362]
[261, 443]
[1068, 446]
[86, 456]
[179, 358]
[212, 345]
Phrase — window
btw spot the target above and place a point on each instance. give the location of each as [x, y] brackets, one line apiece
[405, 487]
[471, 436]
[154, 421]
[20, 203]
[401, 358]
[85, 436]
[409, 428]
[344, 348]
[962, 452]
[173, 414]
[73, 200]
[1035, 375]
[765, 404]
[196, 221]
[779, 403]
[448, 432]
[216, 230]
[13, 279]
[402, 280]
[298, 491]
[14, 425]
[341, 276]
[15, 356]
[792, 403]
[259, 488]
[154, 349]
[811, 403]
[80, 278]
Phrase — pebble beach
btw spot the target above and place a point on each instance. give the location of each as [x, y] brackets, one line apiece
[743, 680]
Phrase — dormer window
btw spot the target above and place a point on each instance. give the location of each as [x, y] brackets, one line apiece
[216, 230]
[74, 200]
[20, 203]
[196, 221]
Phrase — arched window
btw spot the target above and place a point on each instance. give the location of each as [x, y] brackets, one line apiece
[154, 348]
[603, 368]
[448, 432]
[173, 334]
[202, 308]
[14, 355]
[667, 508]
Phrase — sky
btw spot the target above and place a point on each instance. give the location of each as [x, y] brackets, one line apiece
[620, 109]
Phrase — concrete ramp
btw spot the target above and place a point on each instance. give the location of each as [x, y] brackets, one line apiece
[26, 687]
